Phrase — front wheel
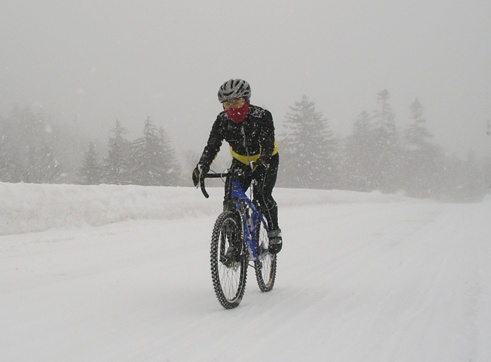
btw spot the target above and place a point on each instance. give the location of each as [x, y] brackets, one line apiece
[265, 265]
[228, 270]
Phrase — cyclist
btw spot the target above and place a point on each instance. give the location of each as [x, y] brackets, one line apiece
[249, 131]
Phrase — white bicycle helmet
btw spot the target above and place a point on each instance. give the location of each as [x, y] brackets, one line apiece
[234, 88]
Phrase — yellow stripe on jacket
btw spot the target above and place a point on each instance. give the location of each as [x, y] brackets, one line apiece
[251, 158]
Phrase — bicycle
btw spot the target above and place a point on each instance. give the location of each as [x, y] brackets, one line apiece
[242, 226]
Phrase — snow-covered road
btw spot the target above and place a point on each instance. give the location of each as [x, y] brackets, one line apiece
[125, 277]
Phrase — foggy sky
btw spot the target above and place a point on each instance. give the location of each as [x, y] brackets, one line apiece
[90, 63]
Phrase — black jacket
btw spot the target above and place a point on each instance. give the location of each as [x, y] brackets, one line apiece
[254, 136]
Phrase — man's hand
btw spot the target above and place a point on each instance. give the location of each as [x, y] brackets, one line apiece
[199, 172]
[259, 168]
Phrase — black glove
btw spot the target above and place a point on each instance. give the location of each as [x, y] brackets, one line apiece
[259, 168]
[199, 172]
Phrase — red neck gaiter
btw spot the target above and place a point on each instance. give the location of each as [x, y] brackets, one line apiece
[237, 115]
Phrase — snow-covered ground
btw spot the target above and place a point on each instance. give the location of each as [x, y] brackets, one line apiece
[121, 273]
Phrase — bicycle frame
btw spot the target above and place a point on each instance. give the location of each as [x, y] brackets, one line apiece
[250, 217]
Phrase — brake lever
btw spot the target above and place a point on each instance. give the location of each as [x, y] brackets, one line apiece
[202, 186]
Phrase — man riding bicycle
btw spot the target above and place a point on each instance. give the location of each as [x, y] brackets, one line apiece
[249, 131]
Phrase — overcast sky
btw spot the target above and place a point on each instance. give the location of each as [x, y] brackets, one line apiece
[92, 62]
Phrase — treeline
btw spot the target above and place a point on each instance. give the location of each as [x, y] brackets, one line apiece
[27, 148]
[375, 156]
[34, 150]
[149, 160]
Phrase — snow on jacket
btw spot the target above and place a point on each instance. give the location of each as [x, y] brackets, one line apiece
[248, 140]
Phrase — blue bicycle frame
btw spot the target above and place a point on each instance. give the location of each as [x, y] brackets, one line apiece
[249, 222]
[243, 205]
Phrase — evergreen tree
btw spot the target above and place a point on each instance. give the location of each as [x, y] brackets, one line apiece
[385, 146]
[10, 168]
[422, 160]
[172, 170]
[308, 148]
[28, 149]
[154, 158]
[117, 165]
[148, 157]
[359, 162]
[91, 170]
[42, 165]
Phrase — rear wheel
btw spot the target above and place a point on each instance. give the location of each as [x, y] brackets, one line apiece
[228, 272]
[265, 265]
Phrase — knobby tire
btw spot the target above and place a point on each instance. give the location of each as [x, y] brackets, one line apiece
[265, 266]
[229, 277]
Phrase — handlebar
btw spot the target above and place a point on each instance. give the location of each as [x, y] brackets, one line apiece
[211, 175]
[224, 174]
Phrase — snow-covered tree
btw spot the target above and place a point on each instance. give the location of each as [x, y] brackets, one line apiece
[172, 169]
[153, 158]
[148, 158]
[117, 164]
[422, 160]
[91, 170]
[307, 148]
[385, 146]
[42, 165]
[27, 146]
[359, 164]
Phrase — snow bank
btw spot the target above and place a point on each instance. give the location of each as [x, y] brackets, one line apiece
[36, 207]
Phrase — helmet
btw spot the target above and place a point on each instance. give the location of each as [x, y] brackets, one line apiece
[234, 88]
